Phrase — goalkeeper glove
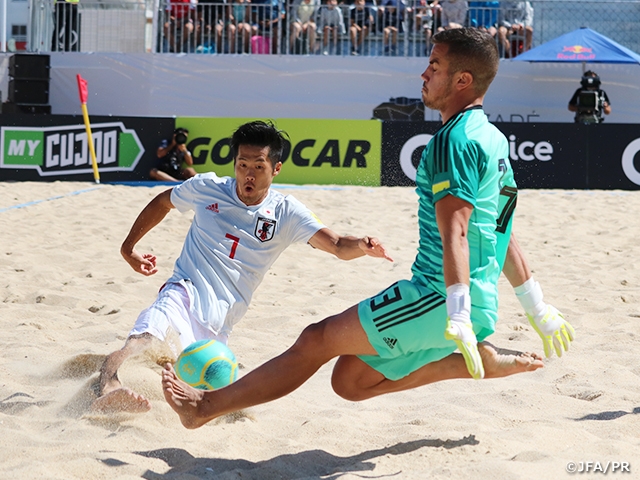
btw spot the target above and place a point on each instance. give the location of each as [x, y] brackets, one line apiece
[553, 329]
[460, 330]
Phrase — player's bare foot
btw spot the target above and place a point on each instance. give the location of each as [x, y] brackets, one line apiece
[182, 398]
[502, 363]
[121, 400]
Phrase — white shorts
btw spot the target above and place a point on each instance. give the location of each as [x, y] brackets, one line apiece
[172, 309]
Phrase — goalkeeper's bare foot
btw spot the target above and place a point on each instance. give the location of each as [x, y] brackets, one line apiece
[500, 362]
[182, 398]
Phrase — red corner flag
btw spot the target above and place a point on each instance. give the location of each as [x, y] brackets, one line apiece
[83, 91]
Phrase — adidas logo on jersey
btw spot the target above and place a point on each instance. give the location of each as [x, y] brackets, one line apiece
[213, 207]
[391, 342]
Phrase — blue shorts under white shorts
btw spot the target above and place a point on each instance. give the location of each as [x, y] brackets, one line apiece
[172, 309]
[405, 323]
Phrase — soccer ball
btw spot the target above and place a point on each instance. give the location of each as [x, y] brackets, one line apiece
[207, 365]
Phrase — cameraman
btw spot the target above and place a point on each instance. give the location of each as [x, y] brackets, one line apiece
[587, 109]
[171, 156]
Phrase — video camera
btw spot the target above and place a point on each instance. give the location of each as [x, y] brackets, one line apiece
[590, 106]
[588, 101]
[181, 135]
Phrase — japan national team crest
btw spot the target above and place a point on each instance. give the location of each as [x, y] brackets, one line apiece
[265, 229]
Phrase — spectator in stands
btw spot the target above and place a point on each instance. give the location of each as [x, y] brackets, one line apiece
[361, 24]
[267, 16]
[393, 12]
[173, 154]
[202, 36]
[515, 28]
[212, 16]
[484, 15]
[422, 14]
[303, 25]
[240, 28]
[590, 108]
[453, 14]
[179, 27]
[218, 15]
[331, 24]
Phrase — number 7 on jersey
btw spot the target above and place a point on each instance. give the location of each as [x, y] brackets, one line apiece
[235, 240]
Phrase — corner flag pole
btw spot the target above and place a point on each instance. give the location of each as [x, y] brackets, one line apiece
[83, 91]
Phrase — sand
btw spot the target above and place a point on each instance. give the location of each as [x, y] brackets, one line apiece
[67, 299]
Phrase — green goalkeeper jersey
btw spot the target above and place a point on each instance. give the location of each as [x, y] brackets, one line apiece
[468, 158]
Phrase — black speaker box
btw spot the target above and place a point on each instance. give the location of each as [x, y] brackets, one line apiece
[29, 66]
[401, 108]
[8, 107]
[29, 91]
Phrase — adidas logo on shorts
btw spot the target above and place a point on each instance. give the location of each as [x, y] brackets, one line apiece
[391, 342]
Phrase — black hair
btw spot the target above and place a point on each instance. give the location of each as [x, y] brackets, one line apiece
[181, 130]
[260, 134]
[471, 50]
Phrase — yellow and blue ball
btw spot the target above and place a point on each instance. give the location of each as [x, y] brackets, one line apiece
[207, 365]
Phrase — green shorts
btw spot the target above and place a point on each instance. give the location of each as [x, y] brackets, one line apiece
[405, 323]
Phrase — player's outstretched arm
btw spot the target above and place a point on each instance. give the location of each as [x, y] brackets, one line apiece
[150, 216]
[556, 332]
[452, 215]
[348, 247]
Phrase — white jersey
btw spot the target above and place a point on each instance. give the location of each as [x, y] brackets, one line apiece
[230, 246]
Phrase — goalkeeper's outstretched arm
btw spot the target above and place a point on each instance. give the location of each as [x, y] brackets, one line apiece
[556, 333]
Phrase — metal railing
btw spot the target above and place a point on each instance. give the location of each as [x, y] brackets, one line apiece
[91, 26]
[323, 29]
[311, 28]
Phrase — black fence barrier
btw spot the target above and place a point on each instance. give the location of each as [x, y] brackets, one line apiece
[55, 147]
[545, 155]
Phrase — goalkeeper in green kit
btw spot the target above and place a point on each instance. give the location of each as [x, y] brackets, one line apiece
[407, 335]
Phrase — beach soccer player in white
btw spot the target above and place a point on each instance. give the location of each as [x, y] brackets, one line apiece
[240, 227]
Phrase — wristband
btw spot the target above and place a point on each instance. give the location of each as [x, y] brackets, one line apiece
[530, 296]
[458, 300]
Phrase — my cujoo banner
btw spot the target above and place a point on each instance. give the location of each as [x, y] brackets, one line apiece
[321, 152]
[63, 150]
[56, 147]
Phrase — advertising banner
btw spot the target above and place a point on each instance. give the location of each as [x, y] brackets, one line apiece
[338, 152]
[566, 156]
[549, 155]
[55, 147]
[402, 146]
[321, 152]
[614, 156]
